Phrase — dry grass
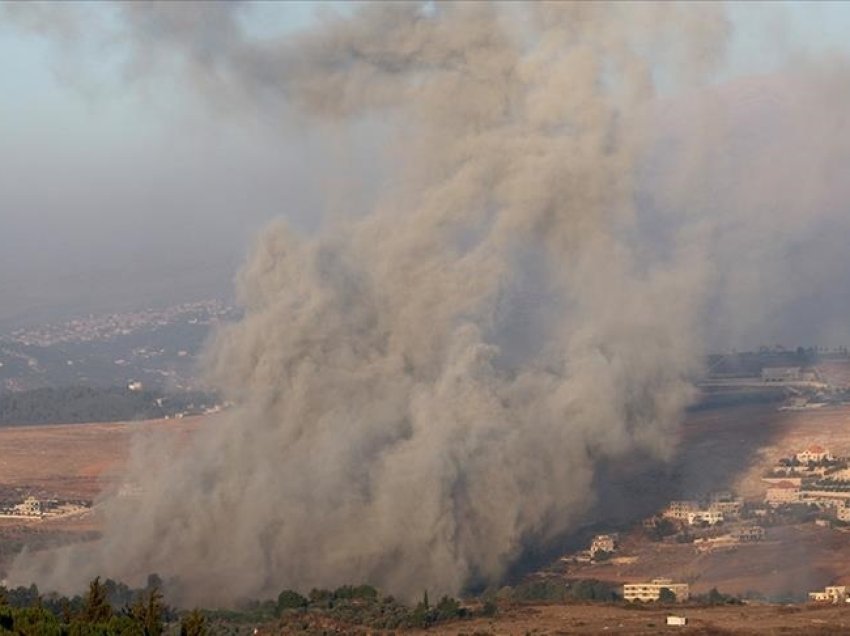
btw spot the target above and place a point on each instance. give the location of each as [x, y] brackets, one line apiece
[71, 461]
[604, 619]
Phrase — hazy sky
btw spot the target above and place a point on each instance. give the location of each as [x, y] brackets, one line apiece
[121, 188]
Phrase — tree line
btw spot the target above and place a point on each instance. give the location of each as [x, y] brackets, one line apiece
[111, 608]
[108, 608]
[76, 404]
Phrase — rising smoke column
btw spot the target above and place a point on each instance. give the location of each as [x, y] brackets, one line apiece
[426, 390]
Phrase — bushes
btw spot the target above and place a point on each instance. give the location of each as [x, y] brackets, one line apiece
[666, 596]
[714, 597]
[23, 611]
[288, 600]
[193, 624]
[593, 590]
[363, 605]
[533, 591]
[113, 609]
[556, 590]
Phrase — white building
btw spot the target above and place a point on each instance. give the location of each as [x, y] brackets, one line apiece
[31, 507]
[832, 594]
[648, 592]
[680, 509]
[814, 454]
[711, 517]
[603, 543]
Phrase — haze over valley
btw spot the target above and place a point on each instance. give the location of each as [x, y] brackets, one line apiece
[309, 309]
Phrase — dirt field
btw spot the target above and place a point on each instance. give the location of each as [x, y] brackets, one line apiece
[70, 461]
[602, 619]
[719, 448]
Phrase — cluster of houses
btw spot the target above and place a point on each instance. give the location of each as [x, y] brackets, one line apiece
[29, 507]
[830, 594]
[812, 477]
[34, 508]
[721, 506]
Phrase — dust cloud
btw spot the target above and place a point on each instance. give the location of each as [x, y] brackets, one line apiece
[424, 390]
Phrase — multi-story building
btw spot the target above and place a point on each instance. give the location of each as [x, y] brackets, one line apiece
[648, 592]
[831, 594]
[711, 517]
[680, 509]
[731, 508]
[31, 507]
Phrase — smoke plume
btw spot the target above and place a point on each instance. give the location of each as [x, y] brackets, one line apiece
[424, 390]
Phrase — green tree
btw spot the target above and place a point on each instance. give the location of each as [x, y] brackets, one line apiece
[290, 599]
[36, 621]
[96, 608]
[147, 610]
[447, 609]
[666, 595]
[193, 624]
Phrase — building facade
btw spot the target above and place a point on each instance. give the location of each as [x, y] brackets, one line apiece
[815, 454]
[831, 594]
[31, 507]
[649, 592]
[680, 509]
[603, 543]
[711, 517]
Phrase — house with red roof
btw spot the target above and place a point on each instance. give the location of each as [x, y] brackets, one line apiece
[814, 453]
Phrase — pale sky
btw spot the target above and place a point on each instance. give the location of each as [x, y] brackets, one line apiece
[121, 192]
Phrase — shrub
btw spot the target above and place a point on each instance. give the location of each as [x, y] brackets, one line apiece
[290, 599]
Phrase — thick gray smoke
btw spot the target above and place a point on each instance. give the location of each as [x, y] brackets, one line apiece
[425, 390]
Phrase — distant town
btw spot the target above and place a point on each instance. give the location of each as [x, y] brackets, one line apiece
[114, 325]
[154, 348]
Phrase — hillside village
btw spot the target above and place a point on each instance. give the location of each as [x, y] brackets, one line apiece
[808, 486]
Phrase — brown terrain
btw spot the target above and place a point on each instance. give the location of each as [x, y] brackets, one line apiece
[731, 448]
[73, 462]
[611, 619]
[720, 448]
